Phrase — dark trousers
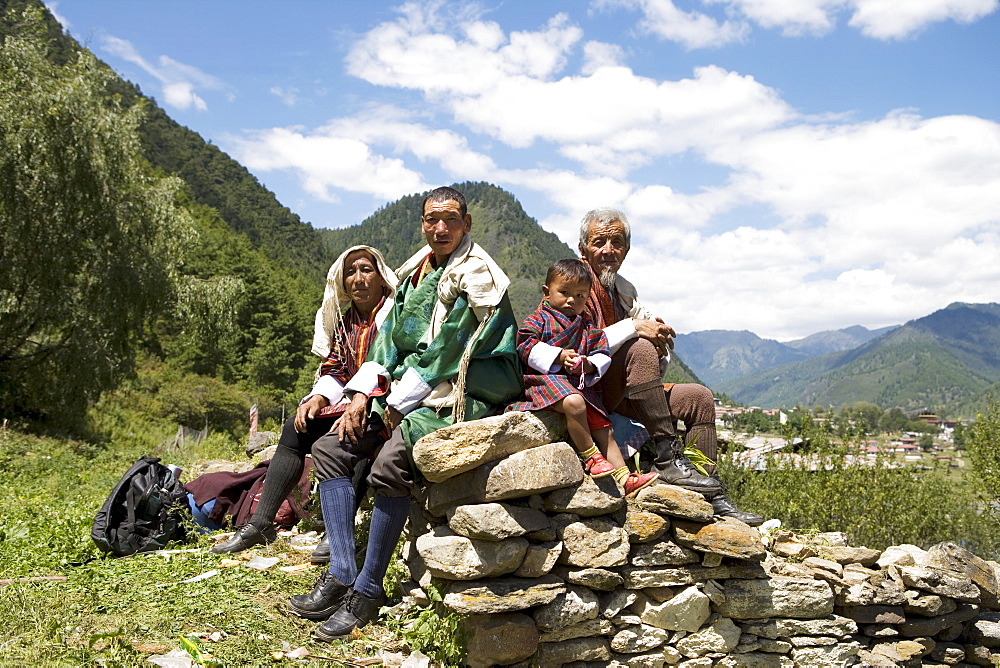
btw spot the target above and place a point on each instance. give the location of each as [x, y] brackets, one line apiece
[390, 474]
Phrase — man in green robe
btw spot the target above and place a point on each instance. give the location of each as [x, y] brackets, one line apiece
[446, 353]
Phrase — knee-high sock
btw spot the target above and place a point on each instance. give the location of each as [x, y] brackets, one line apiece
[282, 474]
[705, 439]
[337, 497]
[388, 518]
[648, 404]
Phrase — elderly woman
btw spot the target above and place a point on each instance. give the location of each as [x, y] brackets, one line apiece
[357, 299]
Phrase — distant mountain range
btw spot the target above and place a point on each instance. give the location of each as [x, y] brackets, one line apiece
[719, 355]
[947, 361]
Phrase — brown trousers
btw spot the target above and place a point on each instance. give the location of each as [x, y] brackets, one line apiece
[635, 369]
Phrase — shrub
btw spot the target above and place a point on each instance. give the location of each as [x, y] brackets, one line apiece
[877, 503]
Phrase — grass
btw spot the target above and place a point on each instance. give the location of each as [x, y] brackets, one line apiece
[119, 611]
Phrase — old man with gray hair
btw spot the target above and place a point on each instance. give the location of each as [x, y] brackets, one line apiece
[640, 346]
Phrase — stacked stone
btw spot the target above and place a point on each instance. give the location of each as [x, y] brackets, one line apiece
[554, 568]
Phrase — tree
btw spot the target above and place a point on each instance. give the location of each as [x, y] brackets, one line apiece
[983, 446]
[89, 239]
[894, 420]
[926, 442]
[959, 436]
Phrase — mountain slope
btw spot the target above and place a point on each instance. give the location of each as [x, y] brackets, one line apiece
[943, 360]
[720, 355]
[836, 340]
[499, 224]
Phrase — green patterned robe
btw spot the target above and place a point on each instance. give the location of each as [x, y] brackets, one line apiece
[494, 376]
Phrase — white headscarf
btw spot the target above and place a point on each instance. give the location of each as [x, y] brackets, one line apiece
[336, 301]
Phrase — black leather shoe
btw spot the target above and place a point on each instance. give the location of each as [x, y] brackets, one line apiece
[726, 508]
[356, 611]
[674, 468]
[321, 555]
[246, 537]
[322, 601]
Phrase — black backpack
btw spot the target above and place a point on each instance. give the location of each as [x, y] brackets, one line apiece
[144, 511]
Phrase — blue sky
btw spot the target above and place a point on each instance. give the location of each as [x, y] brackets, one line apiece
[789, 166]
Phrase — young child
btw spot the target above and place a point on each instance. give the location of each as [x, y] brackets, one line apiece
[567, 355]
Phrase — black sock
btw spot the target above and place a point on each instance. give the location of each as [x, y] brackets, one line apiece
[282, 474]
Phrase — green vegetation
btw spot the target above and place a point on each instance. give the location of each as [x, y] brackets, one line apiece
[120, 611]
[983, 444]
[90, 241]
[876, 501]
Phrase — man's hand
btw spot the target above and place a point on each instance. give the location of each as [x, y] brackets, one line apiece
[351, 425]
[659, 334]
[391, 418]
[308, 411]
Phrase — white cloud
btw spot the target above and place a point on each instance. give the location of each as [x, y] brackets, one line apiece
[179, 81]
[364, 155]
[289, 96]
[601, 54]
[421, 52]
[692, 30]
[888, 19]
[508, 87]
[880, 19]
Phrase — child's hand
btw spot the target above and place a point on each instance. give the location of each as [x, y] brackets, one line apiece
[570, 360]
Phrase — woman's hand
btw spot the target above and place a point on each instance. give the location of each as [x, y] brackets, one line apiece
[308, 410]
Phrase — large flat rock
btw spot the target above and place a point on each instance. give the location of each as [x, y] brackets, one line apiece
[777, 597]
[502, 594]
[458, 448]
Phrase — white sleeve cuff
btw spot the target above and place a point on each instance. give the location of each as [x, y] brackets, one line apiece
[544, 357]
[366, 379]
[619, 333]
[329, 387]
[602, 362]
[408, 392]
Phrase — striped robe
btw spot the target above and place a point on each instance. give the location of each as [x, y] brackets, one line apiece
[348, 351]
[549, 326]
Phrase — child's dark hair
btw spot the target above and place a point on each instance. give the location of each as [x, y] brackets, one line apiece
[573, 270]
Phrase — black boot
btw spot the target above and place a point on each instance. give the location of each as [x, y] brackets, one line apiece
[356, 611]
[321, 555]
[674, 468]
[322, 601]
[246, 537]
[724, 507]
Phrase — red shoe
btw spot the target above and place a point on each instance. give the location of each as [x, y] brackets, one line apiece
[598, 467]
[637, 481]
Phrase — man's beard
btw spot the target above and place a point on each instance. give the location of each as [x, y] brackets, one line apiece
[607, 277]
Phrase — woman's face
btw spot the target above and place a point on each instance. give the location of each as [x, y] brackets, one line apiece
[362, 282]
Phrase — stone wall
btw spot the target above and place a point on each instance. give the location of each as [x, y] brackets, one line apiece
[554, 568]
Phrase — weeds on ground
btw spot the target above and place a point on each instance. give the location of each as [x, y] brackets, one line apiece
[96, 610]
